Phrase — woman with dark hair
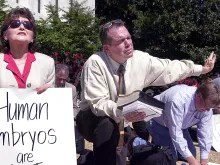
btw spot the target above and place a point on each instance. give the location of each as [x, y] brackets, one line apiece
[20, 65]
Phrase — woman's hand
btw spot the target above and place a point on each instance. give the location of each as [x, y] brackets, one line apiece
[42, 88]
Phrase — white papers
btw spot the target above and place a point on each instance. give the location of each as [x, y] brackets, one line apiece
[139, 101]
[150, 111]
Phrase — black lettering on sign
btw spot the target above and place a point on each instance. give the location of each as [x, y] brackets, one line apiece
[25, 111]
[53, 135]
[3, 136]
[14, 133]
[42, 137]
[27, 157]
[38, 163]
[36, 137]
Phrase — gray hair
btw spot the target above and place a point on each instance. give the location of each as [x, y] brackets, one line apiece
[63, 67]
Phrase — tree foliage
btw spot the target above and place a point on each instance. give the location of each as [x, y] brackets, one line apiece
[76, 31]
[191, 28]
[172, 29]
[3, 10]
[113, 9]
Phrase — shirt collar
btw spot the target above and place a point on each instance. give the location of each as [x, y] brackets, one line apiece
[13, 67]
[192, 104]
[115, 65]
[30, 57]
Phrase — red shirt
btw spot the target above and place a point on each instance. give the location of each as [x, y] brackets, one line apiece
[20, 78]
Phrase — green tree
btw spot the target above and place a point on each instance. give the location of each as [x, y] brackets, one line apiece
[76, 31]
[191, 28]
[178, 29]
[172, 29]
[3, 10]
[108, 10]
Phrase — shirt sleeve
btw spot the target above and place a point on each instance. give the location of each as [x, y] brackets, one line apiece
[96, 93]
[165, 71]
[174, 115]
[205, 134]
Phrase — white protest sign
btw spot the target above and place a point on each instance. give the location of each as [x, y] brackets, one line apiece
[37, 129]
[216, 132]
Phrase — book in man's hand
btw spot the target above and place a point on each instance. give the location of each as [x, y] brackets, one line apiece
[139, 101]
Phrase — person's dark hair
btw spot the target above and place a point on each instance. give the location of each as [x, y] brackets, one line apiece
[210, 91]
[14, 15]
[103, 32]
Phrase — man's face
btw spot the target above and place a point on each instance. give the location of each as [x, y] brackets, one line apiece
[121, 47]
[202, 104]
[61, 78]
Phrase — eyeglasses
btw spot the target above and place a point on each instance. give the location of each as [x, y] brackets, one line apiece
[16, 23]
[109, 24]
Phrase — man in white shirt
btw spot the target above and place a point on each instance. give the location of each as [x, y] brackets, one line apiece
[100, 82]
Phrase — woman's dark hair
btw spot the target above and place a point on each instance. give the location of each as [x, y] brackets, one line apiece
[14, 15]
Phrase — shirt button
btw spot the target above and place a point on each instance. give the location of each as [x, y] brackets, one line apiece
[29, 85]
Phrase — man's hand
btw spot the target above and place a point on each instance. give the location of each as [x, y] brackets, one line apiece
[204, 161]
[192, 161]
[209, 63]
[135, 116]
[42, 88]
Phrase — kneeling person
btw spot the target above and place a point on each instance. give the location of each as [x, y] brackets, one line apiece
[186, 106]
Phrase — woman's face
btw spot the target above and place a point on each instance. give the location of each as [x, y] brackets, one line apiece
[18, 33]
